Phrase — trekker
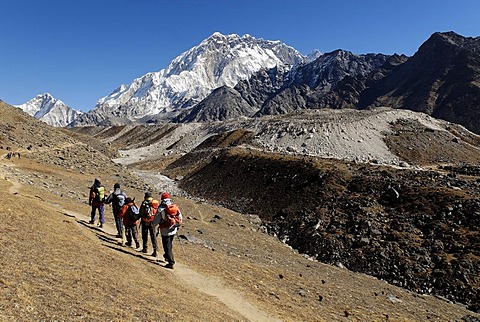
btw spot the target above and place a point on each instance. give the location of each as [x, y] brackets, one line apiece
[148, 211]
[170, 220]
[96, 200]
[130, 215]
[117, 199]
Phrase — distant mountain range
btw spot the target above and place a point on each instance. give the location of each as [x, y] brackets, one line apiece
[228, 76]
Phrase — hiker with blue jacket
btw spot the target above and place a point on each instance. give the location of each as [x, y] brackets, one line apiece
[117, 199]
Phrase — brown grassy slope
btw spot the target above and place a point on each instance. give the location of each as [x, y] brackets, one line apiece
[62, 148]
[56, 267]
[419, 145]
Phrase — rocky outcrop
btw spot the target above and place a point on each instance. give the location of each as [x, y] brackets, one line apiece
[416, 229]
[441, 79]
[223, 103]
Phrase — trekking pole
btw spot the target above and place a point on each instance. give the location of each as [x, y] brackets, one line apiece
[180, 241]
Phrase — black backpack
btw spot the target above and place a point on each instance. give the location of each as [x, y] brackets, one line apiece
[133, 212]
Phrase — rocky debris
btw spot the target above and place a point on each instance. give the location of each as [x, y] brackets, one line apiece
[416, 229]
[360, 136]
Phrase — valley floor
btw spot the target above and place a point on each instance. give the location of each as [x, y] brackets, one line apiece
[55, 266]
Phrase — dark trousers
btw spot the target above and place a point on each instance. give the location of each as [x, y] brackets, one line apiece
[152, 229]
[167, 242]
[132, 233]
[118, 225]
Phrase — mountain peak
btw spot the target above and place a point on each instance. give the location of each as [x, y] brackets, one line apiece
[46, 96]
[219, 60]
[50, 110]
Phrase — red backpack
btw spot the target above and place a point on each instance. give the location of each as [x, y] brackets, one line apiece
[173, 216]
[151, 211]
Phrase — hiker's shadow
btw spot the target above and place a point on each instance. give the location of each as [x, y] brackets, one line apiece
[113, 243]
[121, 249]
[102, 235]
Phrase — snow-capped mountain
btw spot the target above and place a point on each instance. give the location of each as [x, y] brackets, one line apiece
[219, 60]
[50, 110]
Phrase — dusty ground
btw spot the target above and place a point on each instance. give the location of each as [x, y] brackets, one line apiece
[55, 266]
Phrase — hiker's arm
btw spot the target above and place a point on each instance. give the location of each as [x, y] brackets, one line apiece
[90, 197]
[109, 198]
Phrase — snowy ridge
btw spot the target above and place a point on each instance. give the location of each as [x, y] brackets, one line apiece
[217, 61]
[50, 110]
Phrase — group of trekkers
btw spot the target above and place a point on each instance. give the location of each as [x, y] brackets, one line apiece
[154, 217]
[12, 155]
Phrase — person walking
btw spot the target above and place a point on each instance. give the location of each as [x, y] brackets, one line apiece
[117, 199]
[148, 211]
[130, 215]
[96, 200]
[170, 220]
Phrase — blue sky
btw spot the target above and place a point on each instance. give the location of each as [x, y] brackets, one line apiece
[80, 51]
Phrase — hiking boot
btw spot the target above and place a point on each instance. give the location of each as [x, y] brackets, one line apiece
[128, 244]
[169, 265]
[137, 245]
[154, 254]
[100, 225]
[91, 222]
[144, 250]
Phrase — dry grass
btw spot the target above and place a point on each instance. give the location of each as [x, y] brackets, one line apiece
[57, 267]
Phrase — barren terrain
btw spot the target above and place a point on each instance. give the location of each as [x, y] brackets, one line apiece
[55, 266]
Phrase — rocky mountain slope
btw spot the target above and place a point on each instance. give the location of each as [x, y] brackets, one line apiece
[219, 60]
[50, 110]
[72, 280]
[440, 80]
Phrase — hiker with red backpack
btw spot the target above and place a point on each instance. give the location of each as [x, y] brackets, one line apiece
[148, 211]
[96, 200]
[117, 199]
[170, 219]
[130, 215]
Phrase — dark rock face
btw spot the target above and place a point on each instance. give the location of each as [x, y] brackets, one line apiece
[441, 79]
[279, 91]
[309, 83]
[416, 229]
[223, 103]
[245, 99]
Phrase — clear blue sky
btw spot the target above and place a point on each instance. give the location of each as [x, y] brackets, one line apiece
[81, 50]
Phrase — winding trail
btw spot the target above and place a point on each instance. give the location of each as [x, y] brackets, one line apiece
[229, 297]
[205, 284]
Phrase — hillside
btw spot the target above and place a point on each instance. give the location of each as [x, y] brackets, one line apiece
[58, 267]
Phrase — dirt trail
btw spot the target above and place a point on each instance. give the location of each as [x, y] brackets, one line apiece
[205, 284]
[229, 297]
